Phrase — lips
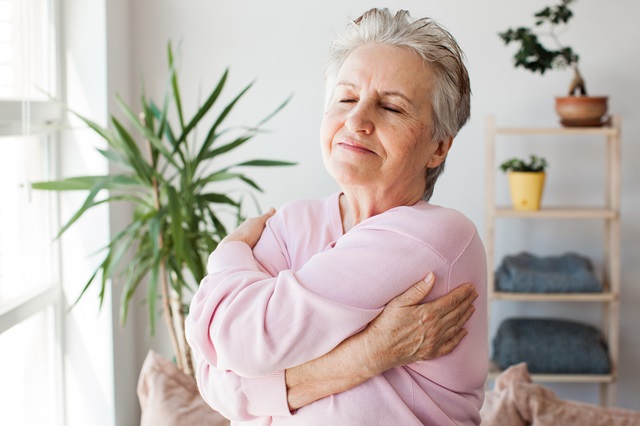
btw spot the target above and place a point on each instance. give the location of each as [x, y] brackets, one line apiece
[354, 146]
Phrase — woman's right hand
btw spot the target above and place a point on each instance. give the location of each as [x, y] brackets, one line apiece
[407, 331]
[250, 231]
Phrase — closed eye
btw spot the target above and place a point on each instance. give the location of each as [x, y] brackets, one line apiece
[391, 108]
[347, 101]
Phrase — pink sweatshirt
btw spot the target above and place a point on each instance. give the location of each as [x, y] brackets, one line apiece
[307, 286]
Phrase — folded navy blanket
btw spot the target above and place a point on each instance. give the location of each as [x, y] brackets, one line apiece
[527, 273]
[551, 346]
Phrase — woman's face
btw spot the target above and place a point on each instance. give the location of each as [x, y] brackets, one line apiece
[376, 129]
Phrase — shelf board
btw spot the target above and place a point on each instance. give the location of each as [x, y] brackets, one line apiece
[555, 297]
[494, 370]
[558, 213]
[597, 131]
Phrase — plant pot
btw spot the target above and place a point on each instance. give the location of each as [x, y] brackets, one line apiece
[580, 111]
[526, 189]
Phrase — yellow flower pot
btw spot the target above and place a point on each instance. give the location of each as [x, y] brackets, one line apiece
[526, 189]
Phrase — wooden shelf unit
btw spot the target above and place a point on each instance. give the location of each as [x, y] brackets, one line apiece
[558, 213]
[494, 370]
[609, 213]
[555, 297]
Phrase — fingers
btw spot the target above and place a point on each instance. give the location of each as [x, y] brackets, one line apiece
[270, 212]
[416, 293]
[421, 331]
[451, 325]
[253, 224]
[456, 321]
[453, 335]
[452, 343]
[464, 294]
[250, 230]
[262, 219]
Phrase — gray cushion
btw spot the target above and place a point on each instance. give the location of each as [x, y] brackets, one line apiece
[551, 346]
[527, 273]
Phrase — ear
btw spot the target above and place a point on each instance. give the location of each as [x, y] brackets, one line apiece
[440, 154]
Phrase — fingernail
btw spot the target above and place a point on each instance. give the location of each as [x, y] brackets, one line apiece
[430, 278]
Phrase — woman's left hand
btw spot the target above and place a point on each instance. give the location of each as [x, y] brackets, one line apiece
[250, 230]
[408, 331]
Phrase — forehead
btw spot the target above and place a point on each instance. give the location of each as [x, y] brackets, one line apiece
[382, 67]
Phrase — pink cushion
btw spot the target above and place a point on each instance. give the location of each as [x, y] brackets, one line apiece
[168, 397]
[516, 401]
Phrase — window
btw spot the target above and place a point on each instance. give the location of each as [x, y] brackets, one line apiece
[26, 230]
[29, 284]
[33, 364]
[27, 51]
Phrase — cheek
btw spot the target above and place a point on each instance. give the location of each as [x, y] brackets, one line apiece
[420, 149]
[423, 137]
[326, 137]
[328, 128]
[416, 141]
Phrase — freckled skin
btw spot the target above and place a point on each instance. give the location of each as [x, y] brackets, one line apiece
[376, 130]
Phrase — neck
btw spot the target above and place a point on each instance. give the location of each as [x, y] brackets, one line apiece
[357, 206]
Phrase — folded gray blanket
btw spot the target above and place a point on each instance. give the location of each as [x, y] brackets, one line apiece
[527, 273]
[551, 346]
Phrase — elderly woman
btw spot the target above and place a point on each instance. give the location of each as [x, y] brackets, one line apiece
[287, 327]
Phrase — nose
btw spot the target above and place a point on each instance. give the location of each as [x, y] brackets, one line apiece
[360, 119]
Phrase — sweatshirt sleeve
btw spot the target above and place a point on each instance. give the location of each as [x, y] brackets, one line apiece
[241, 398]
[244, 320]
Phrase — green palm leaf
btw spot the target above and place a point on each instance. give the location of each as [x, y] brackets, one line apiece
[181, 208]
[265, 163]
[205, 107]
[174, 84]
[211, 136]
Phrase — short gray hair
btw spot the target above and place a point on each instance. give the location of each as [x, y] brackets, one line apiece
[451, 96]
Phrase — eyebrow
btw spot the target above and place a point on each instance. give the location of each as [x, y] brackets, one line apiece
[398, 94]
[385, 93]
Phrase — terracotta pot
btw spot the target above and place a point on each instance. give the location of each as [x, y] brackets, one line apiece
[526, 189]
[582, 110]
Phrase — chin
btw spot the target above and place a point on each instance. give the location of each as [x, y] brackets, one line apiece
[345, 175]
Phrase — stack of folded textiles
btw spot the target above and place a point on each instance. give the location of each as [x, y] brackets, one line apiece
[551, 346]
[527, 273]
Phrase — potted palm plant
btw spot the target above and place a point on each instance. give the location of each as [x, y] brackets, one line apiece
[577, 108]
[173, 180]
[526, 181]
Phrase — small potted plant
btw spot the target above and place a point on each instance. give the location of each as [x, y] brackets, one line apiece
[526, 181]
[576, 109]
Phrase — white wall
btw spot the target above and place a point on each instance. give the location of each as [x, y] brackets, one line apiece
[125, 362]
[100, 365]
[88, 348]
[283, 43]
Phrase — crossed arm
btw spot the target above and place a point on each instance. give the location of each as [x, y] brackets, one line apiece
[405, 332]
